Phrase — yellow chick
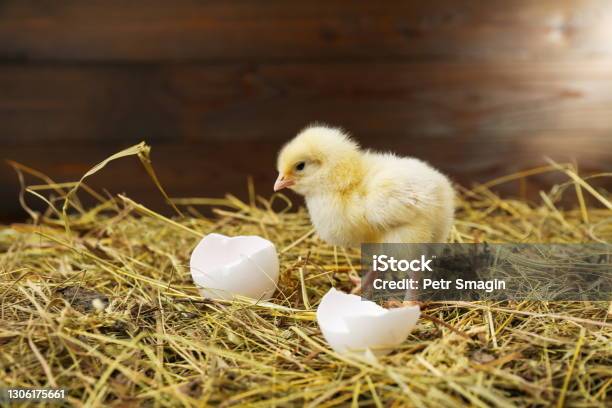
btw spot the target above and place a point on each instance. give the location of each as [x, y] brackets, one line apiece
[356, 196]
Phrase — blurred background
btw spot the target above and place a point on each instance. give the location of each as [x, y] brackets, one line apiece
[478, 88]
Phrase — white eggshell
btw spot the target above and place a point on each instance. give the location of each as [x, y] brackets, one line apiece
[351, 324]
[245, 265]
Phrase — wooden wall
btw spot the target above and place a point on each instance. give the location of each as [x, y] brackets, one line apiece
[478, 88]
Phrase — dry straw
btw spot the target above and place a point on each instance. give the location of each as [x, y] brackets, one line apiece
[99, 300]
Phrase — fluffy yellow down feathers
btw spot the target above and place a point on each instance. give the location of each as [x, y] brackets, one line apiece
[356, 196]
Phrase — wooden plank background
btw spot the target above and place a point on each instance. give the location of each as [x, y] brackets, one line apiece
[478, 88]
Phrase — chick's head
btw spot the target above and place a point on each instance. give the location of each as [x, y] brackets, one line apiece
[318, 159]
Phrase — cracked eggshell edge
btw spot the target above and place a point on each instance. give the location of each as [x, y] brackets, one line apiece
[253, 272]
[351, 324]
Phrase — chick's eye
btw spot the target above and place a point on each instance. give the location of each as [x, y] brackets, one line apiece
[300, 166]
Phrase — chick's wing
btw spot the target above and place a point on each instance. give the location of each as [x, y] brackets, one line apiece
[398, 191]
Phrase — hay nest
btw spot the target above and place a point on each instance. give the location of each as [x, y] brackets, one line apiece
[99, 301]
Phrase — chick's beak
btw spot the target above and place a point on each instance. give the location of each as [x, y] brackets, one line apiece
[283, 182]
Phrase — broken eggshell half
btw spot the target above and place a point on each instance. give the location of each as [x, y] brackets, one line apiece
[223, 267]
[351, 324]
